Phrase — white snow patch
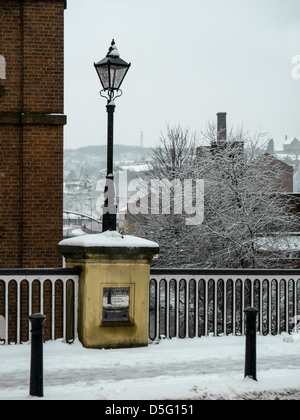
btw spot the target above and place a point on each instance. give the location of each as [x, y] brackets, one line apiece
[109, 239]
[136, 168]
[206, 368]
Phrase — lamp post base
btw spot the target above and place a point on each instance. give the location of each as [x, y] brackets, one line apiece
[109, 222]
[109, 208]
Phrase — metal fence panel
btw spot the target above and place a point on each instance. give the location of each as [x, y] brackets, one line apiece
[51, 292]
[194, 303]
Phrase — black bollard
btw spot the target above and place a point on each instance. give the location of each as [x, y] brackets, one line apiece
[37, 369]
[250, 362]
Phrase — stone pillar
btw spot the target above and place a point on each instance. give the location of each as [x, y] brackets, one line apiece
[113, 302]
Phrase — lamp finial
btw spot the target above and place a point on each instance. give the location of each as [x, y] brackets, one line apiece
[113, 50]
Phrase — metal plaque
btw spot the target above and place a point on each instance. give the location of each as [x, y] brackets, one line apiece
[116, 304]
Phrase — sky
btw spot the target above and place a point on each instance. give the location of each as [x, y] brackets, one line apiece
[190, 59]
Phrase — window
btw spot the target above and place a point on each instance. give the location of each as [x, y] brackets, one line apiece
[2, 67]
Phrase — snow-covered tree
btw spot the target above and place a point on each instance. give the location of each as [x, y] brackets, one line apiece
[248, 216]
[271, 147]
[86, 184]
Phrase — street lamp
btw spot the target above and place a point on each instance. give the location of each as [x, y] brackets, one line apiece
[111, 71]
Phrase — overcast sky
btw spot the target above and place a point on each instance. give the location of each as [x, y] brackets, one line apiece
[190, 59]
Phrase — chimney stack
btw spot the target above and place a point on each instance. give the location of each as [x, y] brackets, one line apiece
[222, 126]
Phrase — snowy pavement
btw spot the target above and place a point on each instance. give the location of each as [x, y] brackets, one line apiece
[205, 368]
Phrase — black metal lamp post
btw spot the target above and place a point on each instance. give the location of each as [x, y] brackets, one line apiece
[111, 71]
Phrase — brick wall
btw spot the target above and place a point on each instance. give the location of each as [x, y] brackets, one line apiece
[43, 56]
[31, 138]
[42, 196]
[9, 195]
[10, 49]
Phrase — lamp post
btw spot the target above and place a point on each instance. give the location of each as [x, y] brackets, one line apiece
[111, 71]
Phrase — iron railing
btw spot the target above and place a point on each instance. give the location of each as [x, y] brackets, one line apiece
[195, 303]
[53, 292]
[183, 303]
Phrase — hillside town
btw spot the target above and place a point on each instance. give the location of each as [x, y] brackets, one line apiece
[83, 173]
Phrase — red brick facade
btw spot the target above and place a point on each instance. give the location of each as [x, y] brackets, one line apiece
[31, 132]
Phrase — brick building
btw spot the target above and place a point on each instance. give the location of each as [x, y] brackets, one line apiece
[285, 183]
[31, 132]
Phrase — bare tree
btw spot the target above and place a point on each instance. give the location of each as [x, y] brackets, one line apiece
[248, 215]
[175, 153]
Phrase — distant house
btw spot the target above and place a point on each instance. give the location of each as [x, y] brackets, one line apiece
[286, 183]
[292, 148]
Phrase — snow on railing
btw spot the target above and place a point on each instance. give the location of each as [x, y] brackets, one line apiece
[53, 292]
[195, 303]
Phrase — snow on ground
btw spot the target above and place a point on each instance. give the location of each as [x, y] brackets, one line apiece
[204, 368]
